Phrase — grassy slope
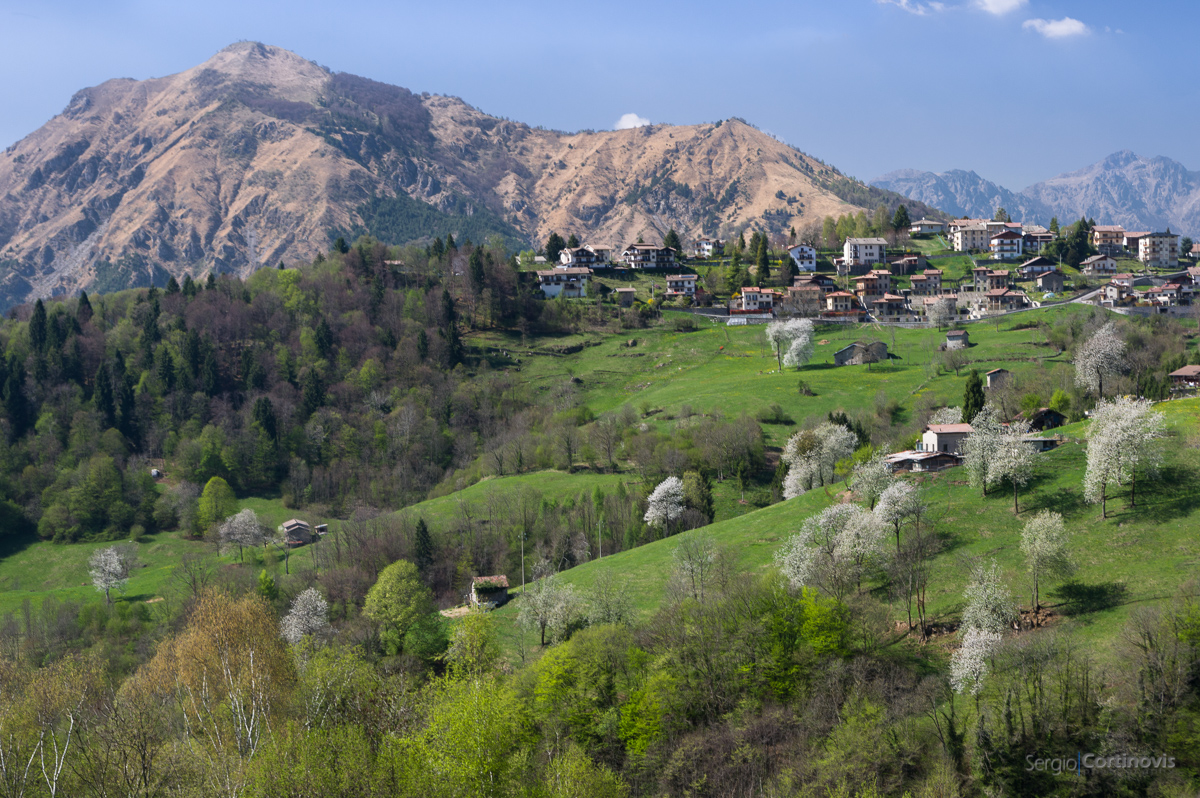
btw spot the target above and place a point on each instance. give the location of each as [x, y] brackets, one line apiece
[1133, 558]
[729, 369]
[38, 569]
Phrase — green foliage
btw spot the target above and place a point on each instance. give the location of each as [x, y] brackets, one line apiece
[266, 586]
[217, 502]
[401, 219]
[396, 601]
[973, 398]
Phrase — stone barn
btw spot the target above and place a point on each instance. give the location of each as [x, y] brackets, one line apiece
[858, 353]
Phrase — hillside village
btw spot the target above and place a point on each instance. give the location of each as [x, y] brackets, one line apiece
[873, 281]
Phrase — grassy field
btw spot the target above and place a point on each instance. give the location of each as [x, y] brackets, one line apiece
[731, 370]
[1134, 558]
[34, 570]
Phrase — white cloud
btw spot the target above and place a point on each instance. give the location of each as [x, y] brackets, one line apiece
[920, 9]
[1000, 7]
[628, 121]
[1057, 28]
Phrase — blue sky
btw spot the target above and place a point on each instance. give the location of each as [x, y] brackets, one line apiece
[1018, 90]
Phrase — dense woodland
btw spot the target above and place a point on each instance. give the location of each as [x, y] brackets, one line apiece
[349, 387]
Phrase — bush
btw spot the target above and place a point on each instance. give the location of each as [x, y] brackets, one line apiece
[774, 414]
[805, 389]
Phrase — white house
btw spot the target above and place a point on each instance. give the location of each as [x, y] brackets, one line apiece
[926, 226]
[1098, 265]
[648, 256]
[578, 257]
[1159, 249]
[968, 237]
[1006, 244]
[864, 251]
[681, 284]
[804, 256]
[707, 247]
[754, 298]
[570, 282]
[944, 438]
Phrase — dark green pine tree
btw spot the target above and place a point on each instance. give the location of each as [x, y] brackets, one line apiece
[787, 270]
[735, 278]
[422, 345]
[454, 345]
[573, 242]
[422, 546]
[973, 399]
[901, 220]
[554, 246]
[37, 327]
[312, 392]
[126, 410]
[437, 248]
[475, 269]
[762, 265]
[450, 245]
[264, 416]
[189, 286]
[166, 369]
[210, 374]
[671, 239]
[323, 336]
[211, 283]
[16, 404]
[172, 286]
[83, 312]
[102, 396]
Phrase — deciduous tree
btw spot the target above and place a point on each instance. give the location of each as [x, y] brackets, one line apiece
[1100, 358]
[1044, 544]
[110, 566]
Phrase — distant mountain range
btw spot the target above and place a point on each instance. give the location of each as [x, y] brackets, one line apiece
[1124, 188]
[259, 156]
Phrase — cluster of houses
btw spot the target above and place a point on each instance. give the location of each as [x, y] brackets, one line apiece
[569, 277]
[1126, 292]
[940, 446]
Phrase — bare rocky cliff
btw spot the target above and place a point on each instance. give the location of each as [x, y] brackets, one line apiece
[258, 156]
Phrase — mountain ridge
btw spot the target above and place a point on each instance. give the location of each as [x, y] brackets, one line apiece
[258, 156]
[1147, 193]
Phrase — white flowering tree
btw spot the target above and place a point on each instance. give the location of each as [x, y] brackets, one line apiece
[979, 448]
[900, 502]
[548, 605]
[1013, 458]
[812, 456]
[791, 341]
[990, 606]
[1100, 358]
[309, 615]
[242, 529]
[1044, 544]
[1124, 437]
[872, 477]
[969, 664]
[109, 568]
[947, 415]
[665, 505]
[833, 550]
[941, 312]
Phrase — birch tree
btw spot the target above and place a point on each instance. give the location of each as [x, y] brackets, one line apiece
[665, 505]
[1044, 544]
[1013, 458]
[791, 341]
[109, 568]
[1100, 358]
[1125, 437]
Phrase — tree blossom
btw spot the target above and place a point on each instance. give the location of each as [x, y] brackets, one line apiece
[969, 664]
[309, 615]
[1099, 358]
[109, 568]
[665, 504]
[1044, 544]
[791, 341]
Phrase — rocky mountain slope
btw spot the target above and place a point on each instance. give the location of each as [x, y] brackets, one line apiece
[1124, 188]
[259, 156]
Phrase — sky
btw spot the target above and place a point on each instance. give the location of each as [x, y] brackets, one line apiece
[1016, 90]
